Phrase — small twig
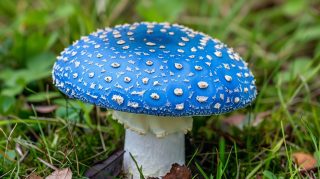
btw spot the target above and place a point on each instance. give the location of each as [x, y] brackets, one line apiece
[19, 150]
[2, 176]
[47, 164]
[110, 167]
[23, 157]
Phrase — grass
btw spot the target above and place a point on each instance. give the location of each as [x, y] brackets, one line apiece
[41, 131]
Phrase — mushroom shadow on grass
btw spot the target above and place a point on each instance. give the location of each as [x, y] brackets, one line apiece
[155, 77]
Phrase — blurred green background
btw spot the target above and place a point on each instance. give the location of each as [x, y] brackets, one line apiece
[40, 130]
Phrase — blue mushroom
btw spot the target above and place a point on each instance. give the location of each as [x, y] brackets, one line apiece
[166, 71]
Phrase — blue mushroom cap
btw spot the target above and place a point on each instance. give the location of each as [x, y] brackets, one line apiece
[156, 69]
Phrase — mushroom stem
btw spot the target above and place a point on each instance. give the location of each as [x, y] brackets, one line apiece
[155, 155]
[155, 142]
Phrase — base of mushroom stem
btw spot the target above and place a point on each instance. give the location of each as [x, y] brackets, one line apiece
[154, 155]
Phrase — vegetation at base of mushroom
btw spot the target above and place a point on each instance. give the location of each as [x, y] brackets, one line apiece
[40, 130]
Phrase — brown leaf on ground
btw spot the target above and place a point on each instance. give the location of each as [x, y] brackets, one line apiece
[304, 160]
[61, 174]
[109, 168]
[46, 109]
[33, 176]
[234, 120]
[178, 172]
[239, 120]
[260, 117]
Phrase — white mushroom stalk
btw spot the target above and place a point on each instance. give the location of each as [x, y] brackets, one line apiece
[155, 142]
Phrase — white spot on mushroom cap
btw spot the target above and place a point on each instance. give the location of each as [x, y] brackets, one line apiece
[236, 99]
[221, 96]
[108, 78]
[156, 83]
[209, 57]
[91, 75]
[115, 65]
[133, 104]
[193, 49]
[150, 44]
[117, 36]
[75, 75]
[145, 80]
[126, 47]
[121, 42]
[180, 50]
[179, 106]
[178, 66]
[186, 39]
[73, 53]
[114, 32]
[178, 91]
[217, 105]
[218, 53]
[118, 99]
[155, 96]
[127, 79]
[226, 66]
[92, 85]
[202, 99]
[197, 67]
[76, 64]
[149, 62]
[203, 84]
[181, 44]
[228, 78]
[163, 30]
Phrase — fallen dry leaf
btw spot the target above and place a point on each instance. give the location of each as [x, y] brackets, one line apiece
[304, 160]
[178, 172]
[234, 120]
[260, 117]
[108, 168]
[61, 174]
[34, 176]
[240, 120]
[46, 109]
